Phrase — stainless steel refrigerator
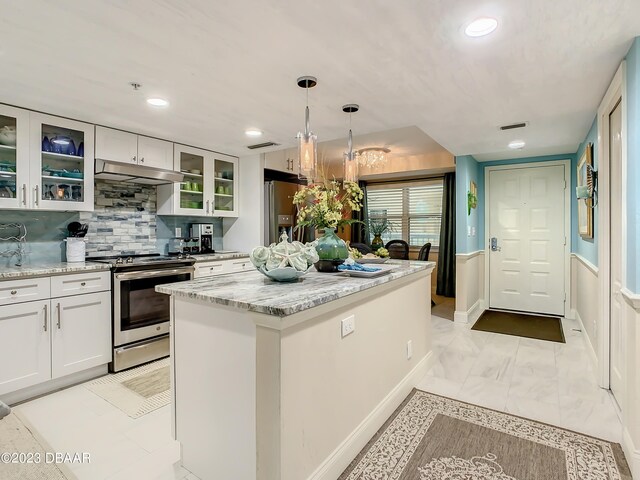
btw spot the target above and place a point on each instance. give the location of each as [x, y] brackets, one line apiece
[280, 212]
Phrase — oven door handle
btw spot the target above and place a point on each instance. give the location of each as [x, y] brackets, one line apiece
[152, 273]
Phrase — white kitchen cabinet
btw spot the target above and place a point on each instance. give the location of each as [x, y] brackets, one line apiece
[80, 333]
[25, 348]
[62, 164]
[125, 147]
[49, 338]
[116, 145]
[49, 165]
[210, 186]
[155, 153]
[14, 157]
[220, 267]
[283, 161]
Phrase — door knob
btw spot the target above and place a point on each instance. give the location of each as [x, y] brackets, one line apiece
[494, 244]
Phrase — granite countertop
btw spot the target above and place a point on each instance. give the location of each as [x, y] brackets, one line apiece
[209, 257]
[253, 291]
[43, 269]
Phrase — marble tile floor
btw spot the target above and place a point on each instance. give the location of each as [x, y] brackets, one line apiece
[546, 381]
[121, 448]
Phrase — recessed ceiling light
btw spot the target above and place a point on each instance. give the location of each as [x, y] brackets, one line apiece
[481, 27]
[253, 132]
[158, 102]
[517, 144]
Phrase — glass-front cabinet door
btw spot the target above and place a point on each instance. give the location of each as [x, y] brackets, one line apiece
[14, 157]
[225, 186]
[193, 195]
[62, 163]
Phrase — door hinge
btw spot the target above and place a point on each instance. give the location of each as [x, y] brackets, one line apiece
[565, 296]
[565, 240]
[565, 184]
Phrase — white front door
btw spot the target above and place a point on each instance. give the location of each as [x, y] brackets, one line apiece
[616, 352]
[527, 221]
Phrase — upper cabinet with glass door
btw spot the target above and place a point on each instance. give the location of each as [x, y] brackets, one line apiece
[14, 157]
[62, 163]
[194, 196]
[225, 186]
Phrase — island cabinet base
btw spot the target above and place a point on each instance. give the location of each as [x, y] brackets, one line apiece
[289, 398]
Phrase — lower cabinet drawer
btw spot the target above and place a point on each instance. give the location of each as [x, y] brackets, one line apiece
[75, 284]
[209, 269]
[25, 290]
[238, 265]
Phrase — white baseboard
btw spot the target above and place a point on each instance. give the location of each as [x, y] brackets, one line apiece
[341, 457]
[50, 386]
[631, 453]
[587, 341]
[471, 315]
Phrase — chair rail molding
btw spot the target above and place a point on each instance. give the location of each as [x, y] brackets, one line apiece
[631, 298]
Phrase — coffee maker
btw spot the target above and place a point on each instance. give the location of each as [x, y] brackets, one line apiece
[203, 233]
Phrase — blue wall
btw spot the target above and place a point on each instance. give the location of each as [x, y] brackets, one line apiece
[586, 248]
[467, 170]
[633, 166]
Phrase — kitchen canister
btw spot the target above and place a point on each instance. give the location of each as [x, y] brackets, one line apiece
[75, 249]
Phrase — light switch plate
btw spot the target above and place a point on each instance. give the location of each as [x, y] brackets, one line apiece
[348, 325]
[178, 232]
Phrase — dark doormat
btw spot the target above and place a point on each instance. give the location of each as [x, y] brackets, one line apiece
[521, 325]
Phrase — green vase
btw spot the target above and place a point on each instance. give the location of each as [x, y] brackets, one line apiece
[332, 251]
[376, 243]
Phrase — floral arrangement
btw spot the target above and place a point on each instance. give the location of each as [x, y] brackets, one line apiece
[326, 205]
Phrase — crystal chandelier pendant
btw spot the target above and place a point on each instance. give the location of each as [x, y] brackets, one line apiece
[373, 158]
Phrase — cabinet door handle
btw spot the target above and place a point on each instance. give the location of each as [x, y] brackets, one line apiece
[59, 315]
[37, 196]
[134, 158]
[24, 193]
[13, 292]
[141, 159]
[45, 318]
[83, 284]
[207, 206]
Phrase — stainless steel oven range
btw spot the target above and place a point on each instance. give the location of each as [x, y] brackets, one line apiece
[140, 314]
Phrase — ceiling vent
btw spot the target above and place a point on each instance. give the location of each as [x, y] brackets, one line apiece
[514, 125]
[262, 145]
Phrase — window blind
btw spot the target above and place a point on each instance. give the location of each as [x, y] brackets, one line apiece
[414, 208]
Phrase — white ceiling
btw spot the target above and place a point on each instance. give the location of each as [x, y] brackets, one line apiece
[226, 66]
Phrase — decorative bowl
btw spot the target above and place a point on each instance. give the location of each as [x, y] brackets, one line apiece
[285, 274]
[328, 266]
[8, 136]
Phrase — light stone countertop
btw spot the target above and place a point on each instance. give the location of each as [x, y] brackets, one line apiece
[44, 269]
[253, 291]
[210, 257]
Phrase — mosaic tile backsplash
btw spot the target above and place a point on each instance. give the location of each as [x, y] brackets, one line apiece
[124, 221]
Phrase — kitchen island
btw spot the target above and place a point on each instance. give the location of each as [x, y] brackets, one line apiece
[288, 381]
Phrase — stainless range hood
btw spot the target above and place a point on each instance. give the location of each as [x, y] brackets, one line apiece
[124, 172]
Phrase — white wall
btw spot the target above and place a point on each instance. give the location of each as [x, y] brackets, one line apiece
[246, 232]
[469, 286]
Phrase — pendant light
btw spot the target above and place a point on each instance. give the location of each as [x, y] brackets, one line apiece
[350, 160]
[307, 141]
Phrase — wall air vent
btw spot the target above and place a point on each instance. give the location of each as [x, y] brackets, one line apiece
[262, 145]
[514, 125]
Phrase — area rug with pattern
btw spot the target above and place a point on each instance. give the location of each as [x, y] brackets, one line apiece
[137, 391]
[430, 437]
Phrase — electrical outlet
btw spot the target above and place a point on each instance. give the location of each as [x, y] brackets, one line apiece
[178, 232]
[409, 349]
[348, 325]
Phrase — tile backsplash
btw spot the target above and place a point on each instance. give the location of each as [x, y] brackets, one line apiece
[124, 221]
